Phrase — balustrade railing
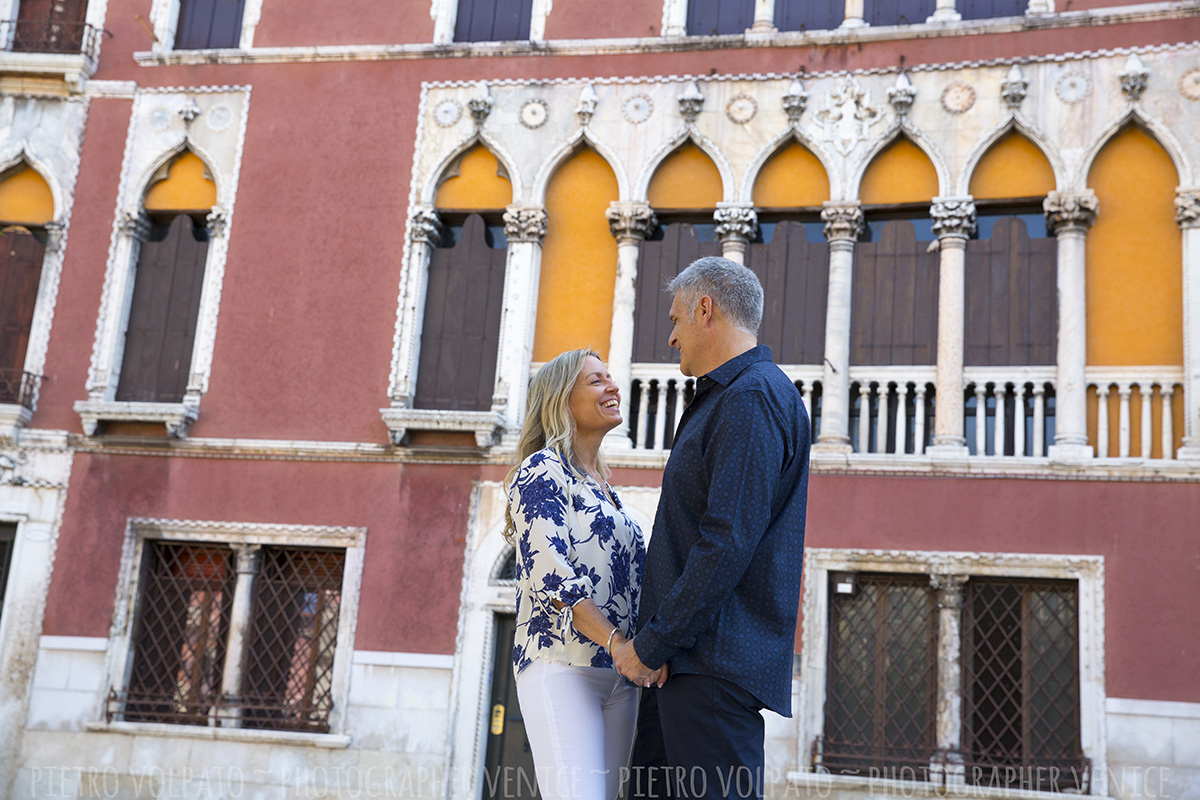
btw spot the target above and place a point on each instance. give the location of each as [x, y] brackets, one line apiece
[50, 35]
[1009, 411]
[1157, 390]
[891, 409]
[18, 387]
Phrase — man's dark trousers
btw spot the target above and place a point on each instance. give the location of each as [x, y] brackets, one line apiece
[710, 730]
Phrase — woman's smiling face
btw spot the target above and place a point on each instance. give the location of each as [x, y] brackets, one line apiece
[595, 401]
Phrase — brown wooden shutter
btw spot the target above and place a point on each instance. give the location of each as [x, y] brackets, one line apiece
[809, 15]
[493, 20]
[20, 272]
[163, 314]
[1011, 306]
[209, 24]
[794, 273]
[461, 332]
[987, 9]
[898, 12]
[658, 262]
[711, 17]
[895, 295]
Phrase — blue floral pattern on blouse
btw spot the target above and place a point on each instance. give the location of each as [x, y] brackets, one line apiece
[572, 543]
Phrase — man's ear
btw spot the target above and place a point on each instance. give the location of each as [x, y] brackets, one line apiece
[704, 309]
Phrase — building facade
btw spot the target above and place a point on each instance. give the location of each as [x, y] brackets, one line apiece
[276, 276]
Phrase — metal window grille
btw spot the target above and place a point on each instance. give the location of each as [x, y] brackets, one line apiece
[180, 633]
[1021, 724]
[8, 538]
[881, 695]
[293, 635]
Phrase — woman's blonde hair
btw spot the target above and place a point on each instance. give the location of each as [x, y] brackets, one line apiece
[548, 421]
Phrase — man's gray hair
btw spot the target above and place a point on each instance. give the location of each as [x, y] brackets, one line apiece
[733, 288]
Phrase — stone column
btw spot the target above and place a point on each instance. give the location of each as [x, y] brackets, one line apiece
[133, 228]
[1068, 217]
[764, 17]
[945, 12]
[424, 232]
[843, 226]
[948, 729]
[737, 225]
[854, 15]
[249, 559]
[630, 224]
[953, 224]
[1187, 214]
[525, 227]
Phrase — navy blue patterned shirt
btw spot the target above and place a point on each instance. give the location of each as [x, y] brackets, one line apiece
[722, 582]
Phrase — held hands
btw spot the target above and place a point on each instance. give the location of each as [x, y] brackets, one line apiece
[626, 660]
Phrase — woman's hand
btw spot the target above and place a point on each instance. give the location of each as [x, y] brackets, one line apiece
[659, 676]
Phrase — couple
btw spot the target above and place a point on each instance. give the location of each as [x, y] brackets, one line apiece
[711, 639]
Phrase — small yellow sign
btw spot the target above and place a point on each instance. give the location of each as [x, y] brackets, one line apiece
[497, 719]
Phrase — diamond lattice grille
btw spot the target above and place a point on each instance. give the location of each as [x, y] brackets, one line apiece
[293, 633]
[180, 634]
[882, 691]
[1021, 680]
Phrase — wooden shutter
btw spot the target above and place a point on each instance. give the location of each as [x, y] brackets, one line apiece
[795, 277]
[713, 17]
[493, 20]
[809, 15]
[21, 257]
[209, 24]
[163, 313]
[898, 12]
[1011, 306]
[894, 299]
[461, 332]
[987, 9]
[658, 262]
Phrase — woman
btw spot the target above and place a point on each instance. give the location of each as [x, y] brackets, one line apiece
[579, 571]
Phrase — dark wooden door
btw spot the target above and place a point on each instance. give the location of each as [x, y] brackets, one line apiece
[659, 261]
[794, 273]
[508, 768]
[809, 15]
[164, 313]
[894, 298]
[493, 20]
[712, 17]
[1011, 303]
[461, 331]
[209, 24]
[21, 254]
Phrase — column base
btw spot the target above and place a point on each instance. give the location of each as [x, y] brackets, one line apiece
[762, 27]
[1189, 452]
[1070, 453]
[833, 444]
[852, 22]
[945, 15]
[946, 451]
[617, 441]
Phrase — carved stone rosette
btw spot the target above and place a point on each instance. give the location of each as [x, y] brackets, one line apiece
[1187, 209]
[691, 100]
[843, 221]
[794, 101]
[1133, 78]
[1070, 210]
[1014, 88]
[631, 222]
[736, 223]
[525, 224]
[953, 217]
[426, 227]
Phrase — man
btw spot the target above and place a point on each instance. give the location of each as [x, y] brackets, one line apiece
[722, 581]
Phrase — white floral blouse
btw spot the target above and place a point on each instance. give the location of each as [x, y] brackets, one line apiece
[572, 544]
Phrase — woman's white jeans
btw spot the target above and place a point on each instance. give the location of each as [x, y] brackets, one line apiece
[580, 723]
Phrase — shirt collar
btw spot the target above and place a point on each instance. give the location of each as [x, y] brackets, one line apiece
[727, 372]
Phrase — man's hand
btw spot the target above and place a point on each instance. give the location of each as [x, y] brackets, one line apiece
[626, 660]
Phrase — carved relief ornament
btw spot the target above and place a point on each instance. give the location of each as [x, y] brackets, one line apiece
[735, 223]
[631, 222]
[843, 221]
[953, 217]
[691, 99]
[1070, 210]
[847, 116]
[1187, 209]
[525, 224]
[426, 227]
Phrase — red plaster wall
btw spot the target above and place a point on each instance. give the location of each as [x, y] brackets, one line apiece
[584, 19]
[333, 22]
[416, 519]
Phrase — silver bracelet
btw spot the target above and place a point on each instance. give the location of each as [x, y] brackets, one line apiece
[608, 644]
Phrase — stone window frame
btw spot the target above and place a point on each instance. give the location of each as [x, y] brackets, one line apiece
[163, 123]
[119, 656]
[820, 563]
[445, 16]
[164, 19]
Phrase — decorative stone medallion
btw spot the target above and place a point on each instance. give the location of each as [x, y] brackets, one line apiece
[218, 117]
[1189, 84]
[534, 113]
[160, 118]
[447, 112]
[637, 109]
[958, 97]
[741, 109]
[1072, 87]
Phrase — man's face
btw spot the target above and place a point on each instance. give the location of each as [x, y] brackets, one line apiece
[685, 334]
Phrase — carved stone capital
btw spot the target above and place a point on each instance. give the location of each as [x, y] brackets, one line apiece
[1133, 78]
[794, 101]
[1067, 210]
[426, 227]
[480, 105]
[218, 221]
[691, 99]
[949, 590]
[1014, 88]
[135, 223]
[55, 236]
[735, 223]
[902, 94]
[525, 223]
[587, 105]
[631, 222]
[249, 557]
[1187, 208]
[953, 217]
[843, 221]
